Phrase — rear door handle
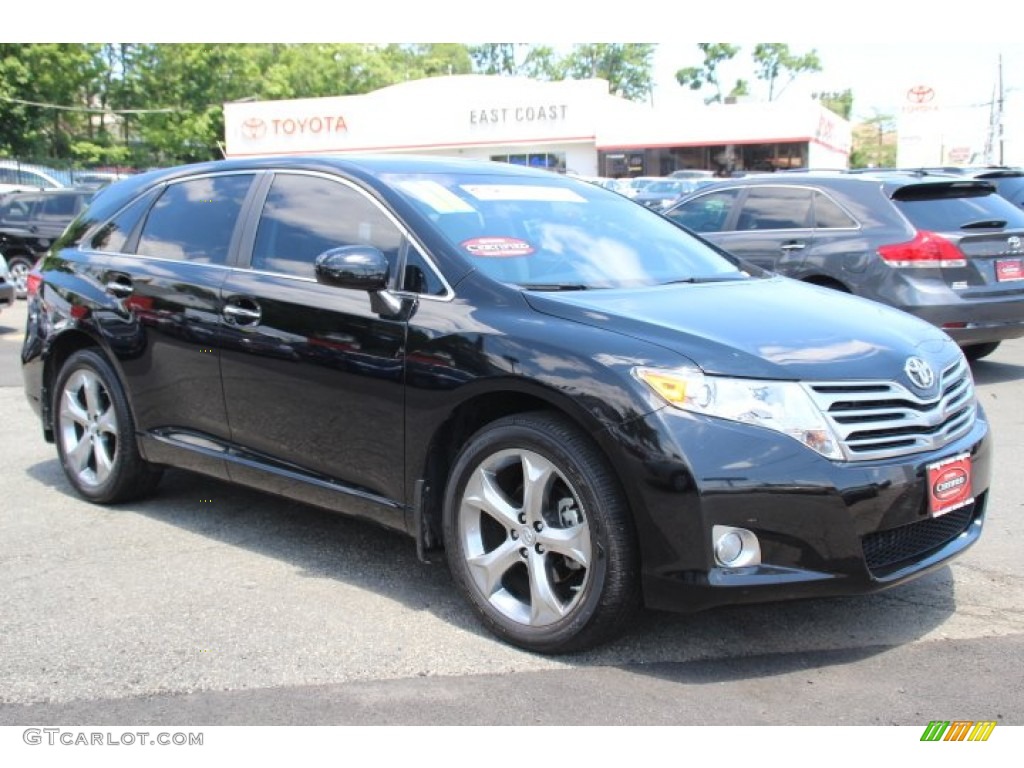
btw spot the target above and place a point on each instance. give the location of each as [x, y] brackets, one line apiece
[793, 246]
[242, 315]
[120, 287]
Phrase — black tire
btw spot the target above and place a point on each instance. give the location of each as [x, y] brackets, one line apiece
[95, 433]
[977, 351]
[20, 266]
[558, 571]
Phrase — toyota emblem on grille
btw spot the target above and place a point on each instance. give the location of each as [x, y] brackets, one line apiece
[1013, 243]
[920, 373]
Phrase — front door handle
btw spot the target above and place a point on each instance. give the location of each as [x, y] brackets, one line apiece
[793, 246]
[242, 315]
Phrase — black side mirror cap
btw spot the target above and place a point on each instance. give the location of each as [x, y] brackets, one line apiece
[359, 267]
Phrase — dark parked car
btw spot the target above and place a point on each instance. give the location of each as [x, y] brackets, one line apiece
[950, 251]
[7, 290]
[31, 221]
[585, 407]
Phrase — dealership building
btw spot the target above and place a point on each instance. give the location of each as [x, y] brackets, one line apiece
[573, 126]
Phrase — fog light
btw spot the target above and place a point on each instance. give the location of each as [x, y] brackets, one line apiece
[735, 547]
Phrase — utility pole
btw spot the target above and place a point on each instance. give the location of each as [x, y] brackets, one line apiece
[999, 125]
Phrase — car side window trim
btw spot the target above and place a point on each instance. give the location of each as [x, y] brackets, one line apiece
[131, 243]
[258, 201]
[133, 246]
[131, 240]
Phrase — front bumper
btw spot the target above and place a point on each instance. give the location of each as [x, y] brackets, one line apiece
[824, 527]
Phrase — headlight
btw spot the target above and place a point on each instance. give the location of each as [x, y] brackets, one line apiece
[780, 405]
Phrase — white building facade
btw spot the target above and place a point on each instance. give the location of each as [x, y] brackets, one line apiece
[572, 126]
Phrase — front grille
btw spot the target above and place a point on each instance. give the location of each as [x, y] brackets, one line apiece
[885, 549]
[883, 419]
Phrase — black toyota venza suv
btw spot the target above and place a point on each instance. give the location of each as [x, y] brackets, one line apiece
[586, 407]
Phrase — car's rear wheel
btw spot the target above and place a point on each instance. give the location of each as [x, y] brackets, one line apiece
[538, 535]
[977, 351]
[95, 433]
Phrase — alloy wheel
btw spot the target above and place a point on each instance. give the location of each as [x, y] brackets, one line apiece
[88, 428]
[525, 537]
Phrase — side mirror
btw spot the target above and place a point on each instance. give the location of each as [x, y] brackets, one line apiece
[359, 267]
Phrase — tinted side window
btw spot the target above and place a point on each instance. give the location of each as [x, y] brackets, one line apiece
[707, 213]
[775, 208]
[194, 220]
[57, 207]
[828, 214]
[17, 208]
[307, 215]
[113, 235]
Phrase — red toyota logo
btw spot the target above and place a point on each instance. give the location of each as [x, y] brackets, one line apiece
[254, 129]
[920, 94]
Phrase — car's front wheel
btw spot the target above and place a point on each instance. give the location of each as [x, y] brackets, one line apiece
[95, 433]
[538, 535]
[19, 266]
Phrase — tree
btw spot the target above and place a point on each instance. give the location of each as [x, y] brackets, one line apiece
[874, 143]
[51, 75]
[437, 59]
[626, 66]
[541, 63]
[494, 58]
[696, 78]
[840, 102]
[775, 61]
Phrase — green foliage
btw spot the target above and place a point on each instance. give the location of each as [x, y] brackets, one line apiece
[541, 63]
[157, 104]
[696, 78]
[775, 61]
[626, 66]
[494, 58]
[60, 73]
[874, 143]
[840, 102]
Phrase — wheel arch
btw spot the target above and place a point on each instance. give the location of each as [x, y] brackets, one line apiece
[60, 349]
[467, 418]
[826, 281]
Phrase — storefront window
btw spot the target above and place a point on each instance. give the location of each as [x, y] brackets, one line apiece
[552, 161]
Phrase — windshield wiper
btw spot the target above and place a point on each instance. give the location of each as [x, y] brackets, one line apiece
[707, 279]
[985, 224]
[553, 286]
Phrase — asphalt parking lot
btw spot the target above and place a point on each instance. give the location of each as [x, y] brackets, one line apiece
[211, 604]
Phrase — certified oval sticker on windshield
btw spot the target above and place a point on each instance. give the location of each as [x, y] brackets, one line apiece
[949, 485]
[497, 247]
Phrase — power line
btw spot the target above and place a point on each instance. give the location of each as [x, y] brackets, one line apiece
[93, 110]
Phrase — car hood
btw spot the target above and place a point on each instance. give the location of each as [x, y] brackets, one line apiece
[773, 328]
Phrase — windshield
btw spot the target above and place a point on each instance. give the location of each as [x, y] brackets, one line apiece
[559, 234]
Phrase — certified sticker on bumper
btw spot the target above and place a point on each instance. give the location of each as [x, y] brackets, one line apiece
[949, 485]
[1009, 269]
